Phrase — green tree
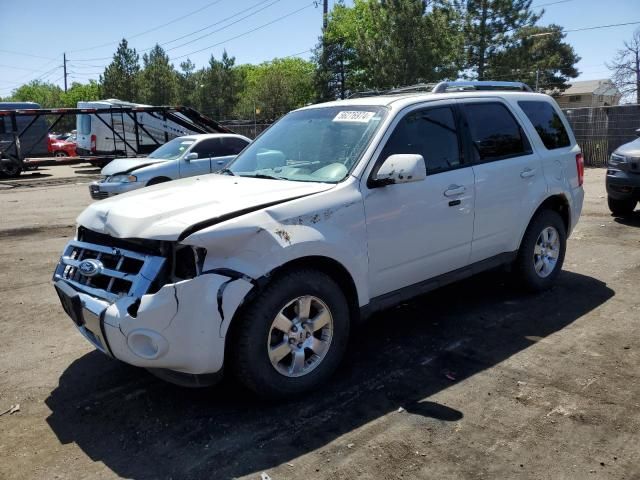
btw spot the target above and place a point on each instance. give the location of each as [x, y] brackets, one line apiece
[490, 27]
[187, 84]
[378, 45]
[120, 78]
[220, 87]
[81, 92]
[46, 94]
[539, 57]
[158, 79]
[274, 88]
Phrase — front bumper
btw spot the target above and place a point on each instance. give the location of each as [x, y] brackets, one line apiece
[622, 185]
[181, 327]
[102, 190]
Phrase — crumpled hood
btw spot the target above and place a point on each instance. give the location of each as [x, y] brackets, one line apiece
[164, 211]
[631, 149]
[123, 165]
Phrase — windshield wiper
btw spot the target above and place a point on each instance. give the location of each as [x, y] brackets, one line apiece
[225, 171]
[264, 175]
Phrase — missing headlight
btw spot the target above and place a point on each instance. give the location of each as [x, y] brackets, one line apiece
[187, 261]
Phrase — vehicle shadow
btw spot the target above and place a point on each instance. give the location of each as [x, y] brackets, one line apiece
[89, 170]
[140, 427]
[632, 220]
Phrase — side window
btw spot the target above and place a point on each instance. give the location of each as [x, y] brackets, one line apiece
[547, 123]
[207, 148]
[431, 133]
[231, 146]
[2, 128]
[495, 134]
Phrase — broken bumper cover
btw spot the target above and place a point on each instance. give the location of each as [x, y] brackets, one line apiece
[181, 327]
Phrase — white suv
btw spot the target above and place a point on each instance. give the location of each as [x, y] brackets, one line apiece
[336, 211]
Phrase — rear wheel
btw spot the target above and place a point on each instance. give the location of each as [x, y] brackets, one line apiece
[10, 168]
[60, 154]
[621, 207]
[292, 336]
[542, 251]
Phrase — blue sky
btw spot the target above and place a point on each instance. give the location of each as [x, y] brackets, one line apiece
[38, 32]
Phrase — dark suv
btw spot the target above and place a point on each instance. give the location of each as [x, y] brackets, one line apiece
[623, 178]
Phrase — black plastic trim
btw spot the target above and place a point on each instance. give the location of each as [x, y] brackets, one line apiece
[390, 299]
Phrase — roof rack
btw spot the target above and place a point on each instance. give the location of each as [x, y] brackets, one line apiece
[442, 87]
[462, 86]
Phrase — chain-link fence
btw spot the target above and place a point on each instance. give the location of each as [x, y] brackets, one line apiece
[248, 129]
[599, 131]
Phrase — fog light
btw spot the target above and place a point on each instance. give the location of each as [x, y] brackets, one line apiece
[147, 344]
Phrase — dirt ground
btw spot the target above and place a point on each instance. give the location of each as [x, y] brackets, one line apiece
[474, 381]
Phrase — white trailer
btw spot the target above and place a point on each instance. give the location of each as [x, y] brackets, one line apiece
[126, 129]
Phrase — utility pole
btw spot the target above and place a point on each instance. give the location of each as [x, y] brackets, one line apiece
[325, 13]
[64, 65]
[537, 78]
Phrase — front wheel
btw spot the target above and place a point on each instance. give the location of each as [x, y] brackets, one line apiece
[292, 336]
[621, 208]
[542, 250]
[60, 154]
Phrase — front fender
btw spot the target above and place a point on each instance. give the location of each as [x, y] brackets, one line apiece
[257, 243]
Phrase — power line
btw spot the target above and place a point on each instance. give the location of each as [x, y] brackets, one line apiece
[597, 27]
[221, 28]
[196, 31]
[151, 29]
[551, 3]
[26, 54]
[247, 32]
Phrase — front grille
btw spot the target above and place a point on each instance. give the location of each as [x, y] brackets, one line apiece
[118, 271]
[96, 194]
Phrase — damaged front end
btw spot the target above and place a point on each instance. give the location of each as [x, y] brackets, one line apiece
[148, 303]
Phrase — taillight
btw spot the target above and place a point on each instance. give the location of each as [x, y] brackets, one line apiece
[580, 168]
[93, 144]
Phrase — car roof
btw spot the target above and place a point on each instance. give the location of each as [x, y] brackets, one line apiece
[401, 100]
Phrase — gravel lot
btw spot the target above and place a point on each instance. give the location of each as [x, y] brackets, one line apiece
[477, 380]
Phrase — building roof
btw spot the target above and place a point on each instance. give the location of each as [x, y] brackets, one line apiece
[599, 87]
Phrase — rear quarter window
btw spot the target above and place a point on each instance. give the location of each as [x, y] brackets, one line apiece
[547, 123]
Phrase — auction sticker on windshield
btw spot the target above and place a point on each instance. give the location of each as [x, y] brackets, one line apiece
[357, 116]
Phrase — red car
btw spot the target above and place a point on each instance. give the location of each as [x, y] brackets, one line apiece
[61, 148]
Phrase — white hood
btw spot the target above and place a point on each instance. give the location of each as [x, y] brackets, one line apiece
[164, 211]
[123, 165]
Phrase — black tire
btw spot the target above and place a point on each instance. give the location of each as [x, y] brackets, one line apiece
[60, 154]
[11, 169]
[524, 265]
[157, 180]
[621, 208]
[251, 333]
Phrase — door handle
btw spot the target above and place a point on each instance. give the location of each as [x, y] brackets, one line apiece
[528, 172]
[454, 190]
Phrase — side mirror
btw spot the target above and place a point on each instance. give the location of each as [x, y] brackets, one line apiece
[401, 168]
[638, 132]
[190, 156]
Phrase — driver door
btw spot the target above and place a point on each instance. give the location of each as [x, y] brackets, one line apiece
[417, 231]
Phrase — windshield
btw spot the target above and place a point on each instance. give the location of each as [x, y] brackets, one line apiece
[314, 145]
[172, 149]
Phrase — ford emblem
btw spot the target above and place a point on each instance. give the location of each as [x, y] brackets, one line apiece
[90, 268]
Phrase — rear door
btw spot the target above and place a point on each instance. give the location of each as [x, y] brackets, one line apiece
[227, 150]
[509, 180]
